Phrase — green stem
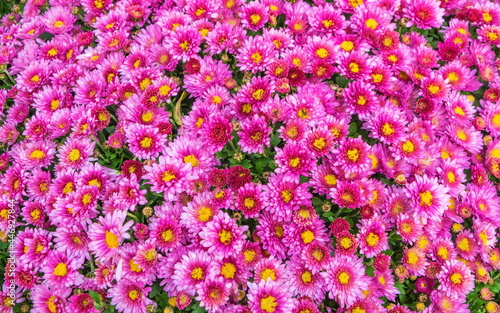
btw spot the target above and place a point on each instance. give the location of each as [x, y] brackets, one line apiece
[91, 262]
[133, 216]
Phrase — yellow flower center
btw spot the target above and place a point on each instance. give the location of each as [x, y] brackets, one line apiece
[456, 278]
[146, 142]
[249, 203]
[408, 146]
[294, 162]
[60, 270]
[306, 277]
[346, 242]
[133, 295]
[412, 258]
[372, 239]
[353, 154]
[74, 155]
[268, 273]
[307, 236]
[464, 244]
[377, 78]
[371, 24]
[168, 176]
[286, 195]
[256, 57]
[344, 278]
[111, 240]
[51, 304]
[37, 154]
[255, 18]
[461, 135]
[426, 198]
[167, 235]
[322, 53]
[387, 129]
[197, 273]
[249, 255]
[268, 304]
[228, 270]
[330, 179]
[433, 88]
[225, 237]
[354, 67]
[204, 214]
[443, 253]
[347, 45]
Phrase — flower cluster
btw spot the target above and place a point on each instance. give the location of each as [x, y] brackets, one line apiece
[262, 156]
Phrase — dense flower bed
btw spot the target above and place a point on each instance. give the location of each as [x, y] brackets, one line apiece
[262, 156]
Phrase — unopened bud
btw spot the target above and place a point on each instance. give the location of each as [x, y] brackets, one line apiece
[147, 211]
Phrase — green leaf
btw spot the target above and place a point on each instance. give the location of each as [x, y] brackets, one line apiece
[353, 129]
[97, 299]
[317, 202]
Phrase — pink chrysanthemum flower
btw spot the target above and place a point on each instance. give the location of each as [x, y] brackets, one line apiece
[82, 303]
[185, 42]
[372, 237]
[347, 244]
[305, 305]
[467, 246]
[441, 302]
[145, 142]
[466, 136]
[426, 14]
[460, 77]
[415, 261]
[348, 194]
[367, 20]
[298, 237]
[316, 256]
[269, 296]
[385, 281]
[270, 269]
[217, 131]
[130, 296]
[284, 193]
[443, 250]
[255, 54]
[213, 293]
[352, 156]
[62, 270]
[294, 159]
[345, 279]
[388, 124]
[223, 235]
[408, 228]
[166, 231]
[59, 20]
[360, 98]
[75, 152]
[48, 299]
[107, 235]
[198, 212]
[169, 176]
[254, 135]
[254, 16]
[485, 234]
[271, 233]
[74, 240]
[456, 280]
[249, 200]
[304, 282]
[326, 18]
[429, 198]
[34, 153]
[194, 268]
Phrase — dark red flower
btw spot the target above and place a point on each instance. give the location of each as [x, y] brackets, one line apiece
[239, 176]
